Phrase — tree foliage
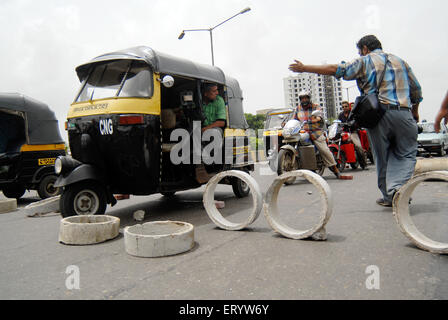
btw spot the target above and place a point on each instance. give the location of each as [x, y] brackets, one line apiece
[255, 122]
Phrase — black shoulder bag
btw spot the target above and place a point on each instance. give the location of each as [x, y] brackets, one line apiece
[367, 111]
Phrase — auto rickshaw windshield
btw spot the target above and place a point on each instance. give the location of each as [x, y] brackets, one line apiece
[119, 78]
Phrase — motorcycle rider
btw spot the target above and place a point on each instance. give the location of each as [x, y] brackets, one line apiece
[314, 124]
[343, 117]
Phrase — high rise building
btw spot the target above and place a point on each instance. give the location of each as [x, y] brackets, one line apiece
[326, 91]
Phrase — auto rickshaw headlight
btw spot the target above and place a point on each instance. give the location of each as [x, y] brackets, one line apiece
[64, 164]
[58, 166]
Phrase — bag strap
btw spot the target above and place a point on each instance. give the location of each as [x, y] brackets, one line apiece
[382, 75]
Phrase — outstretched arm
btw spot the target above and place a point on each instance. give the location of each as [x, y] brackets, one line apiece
[442, 114]
[325, 69]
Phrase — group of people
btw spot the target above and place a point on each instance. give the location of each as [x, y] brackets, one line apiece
[394, 138]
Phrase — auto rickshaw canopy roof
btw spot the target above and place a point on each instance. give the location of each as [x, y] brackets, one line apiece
[41, 124]
[167, 64]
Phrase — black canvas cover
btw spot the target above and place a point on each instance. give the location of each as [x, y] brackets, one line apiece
[41, 124]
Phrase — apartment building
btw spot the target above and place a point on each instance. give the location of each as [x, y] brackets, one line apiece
[326, 91]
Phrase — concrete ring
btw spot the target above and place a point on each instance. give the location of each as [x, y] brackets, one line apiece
[271, 210]
[209, 200]
[403, 217]
[43, 206]
[88, 229]
[158, 238]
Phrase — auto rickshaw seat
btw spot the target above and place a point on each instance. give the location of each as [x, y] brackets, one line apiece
[168, 118]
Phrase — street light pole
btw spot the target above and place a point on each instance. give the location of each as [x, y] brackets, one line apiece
[211, 31]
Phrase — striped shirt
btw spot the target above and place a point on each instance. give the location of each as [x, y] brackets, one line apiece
[304, 115]
[399, 87]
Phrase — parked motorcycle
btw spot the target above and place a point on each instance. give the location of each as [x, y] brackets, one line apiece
[298, 151]
[342, 147]
[365, 144]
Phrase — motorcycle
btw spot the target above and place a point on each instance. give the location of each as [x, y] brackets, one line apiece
[298, 151]
[365, 144]
[342, 147]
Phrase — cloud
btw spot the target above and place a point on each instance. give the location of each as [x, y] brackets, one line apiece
[43, 41]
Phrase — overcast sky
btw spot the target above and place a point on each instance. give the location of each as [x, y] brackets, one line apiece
[43, 41]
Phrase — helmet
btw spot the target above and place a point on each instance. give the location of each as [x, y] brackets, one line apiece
[304, 93]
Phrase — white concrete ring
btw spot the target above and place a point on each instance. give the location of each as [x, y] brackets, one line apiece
[88, 229]
[158, 238]
[271, 210]
[403, 217]
[209, 200]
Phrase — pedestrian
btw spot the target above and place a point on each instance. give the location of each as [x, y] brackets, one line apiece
[314, 125]
[394, 138]
[442, 114]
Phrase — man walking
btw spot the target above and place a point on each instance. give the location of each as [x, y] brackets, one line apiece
[394, 139]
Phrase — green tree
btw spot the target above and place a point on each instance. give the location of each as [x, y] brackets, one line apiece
[255, 122]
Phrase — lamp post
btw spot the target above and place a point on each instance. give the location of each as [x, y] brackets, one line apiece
[211, 31]
[348, 97]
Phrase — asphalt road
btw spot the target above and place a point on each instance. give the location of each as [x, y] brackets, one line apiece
[365, 256]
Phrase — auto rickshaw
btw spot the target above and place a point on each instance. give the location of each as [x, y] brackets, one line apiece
[272, 134]
[30, 142]
[121, 126]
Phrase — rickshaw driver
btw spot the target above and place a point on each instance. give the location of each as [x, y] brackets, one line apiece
[214, 108]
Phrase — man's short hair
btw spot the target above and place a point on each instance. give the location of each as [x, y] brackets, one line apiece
[209, 86]
[345, 102]
[370, 41]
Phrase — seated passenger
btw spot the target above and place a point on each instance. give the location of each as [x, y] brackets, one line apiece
[214, 108]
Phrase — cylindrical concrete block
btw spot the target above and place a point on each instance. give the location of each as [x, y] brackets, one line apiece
[403, 217]
[8, 205]
[43, 206]
[210, 206]
[271, 212]
[434, 164]
[158, 238]
[88, 229]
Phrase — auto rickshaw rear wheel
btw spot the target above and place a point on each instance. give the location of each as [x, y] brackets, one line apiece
[14, 191]
[83, 198]
[46, 187]
[240, 188]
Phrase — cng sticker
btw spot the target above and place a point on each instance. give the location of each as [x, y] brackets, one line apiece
[106, 127]
[46, 161]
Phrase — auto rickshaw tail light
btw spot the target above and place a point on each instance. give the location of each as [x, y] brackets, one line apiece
[131, 119]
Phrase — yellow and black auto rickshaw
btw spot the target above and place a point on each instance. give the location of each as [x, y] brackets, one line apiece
[30, 142]
[125, 124]
[272, 133]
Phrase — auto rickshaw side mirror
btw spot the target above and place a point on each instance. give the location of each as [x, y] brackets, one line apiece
[167, 81]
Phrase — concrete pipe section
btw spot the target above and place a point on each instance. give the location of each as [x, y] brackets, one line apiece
[8, 205]
[271, 210]
[403, 217]
[88, 229]
[210, 206]
[43, 207]
[434, 164]
[158, 238]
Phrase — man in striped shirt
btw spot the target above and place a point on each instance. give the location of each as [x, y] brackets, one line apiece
[394, 139]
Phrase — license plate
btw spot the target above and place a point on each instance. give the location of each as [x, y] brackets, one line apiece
[46, 161]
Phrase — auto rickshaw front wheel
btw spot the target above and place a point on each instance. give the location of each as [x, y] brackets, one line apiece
[14, 191]
[83, 198]
[46, 188]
